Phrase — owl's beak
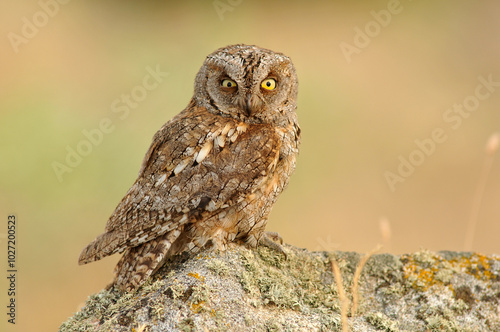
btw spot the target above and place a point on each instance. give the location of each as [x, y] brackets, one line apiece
[253, 105]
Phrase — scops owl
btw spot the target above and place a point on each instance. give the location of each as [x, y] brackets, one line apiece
[214, 171]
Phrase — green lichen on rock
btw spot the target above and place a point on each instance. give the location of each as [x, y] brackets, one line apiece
[245, 289]
[381, 322]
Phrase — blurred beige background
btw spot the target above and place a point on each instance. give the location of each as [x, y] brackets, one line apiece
[375, 76]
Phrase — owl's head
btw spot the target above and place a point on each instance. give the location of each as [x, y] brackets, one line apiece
[249, 83]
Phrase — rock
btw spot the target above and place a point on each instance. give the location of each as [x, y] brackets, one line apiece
[242, 289]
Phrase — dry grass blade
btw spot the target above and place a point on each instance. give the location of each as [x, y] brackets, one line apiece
[141, 328]
[491, 149]
[357, 275]
[493, 143]
[386, 232]
[344, 302]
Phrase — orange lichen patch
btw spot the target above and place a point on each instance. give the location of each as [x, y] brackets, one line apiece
[477, 265]
[425, 269]
[196, 307]
[204, 256]
[197, 276]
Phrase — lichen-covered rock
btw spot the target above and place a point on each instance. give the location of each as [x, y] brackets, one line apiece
[259, 290]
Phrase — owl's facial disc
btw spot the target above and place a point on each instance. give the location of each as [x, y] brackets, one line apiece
[249, 96]
[244, 95]
[247, 82]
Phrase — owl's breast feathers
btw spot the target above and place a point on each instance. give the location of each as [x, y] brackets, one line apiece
[198, 164]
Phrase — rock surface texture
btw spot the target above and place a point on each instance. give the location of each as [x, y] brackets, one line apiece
[259, 290]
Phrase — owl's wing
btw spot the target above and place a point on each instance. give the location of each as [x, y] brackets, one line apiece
[198, 163]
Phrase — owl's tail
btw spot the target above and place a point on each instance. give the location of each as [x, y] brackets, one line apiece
[104, 245]
[140, 262]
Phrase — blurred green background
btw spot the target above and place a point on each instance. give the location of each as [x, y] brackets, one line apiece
[359, 115]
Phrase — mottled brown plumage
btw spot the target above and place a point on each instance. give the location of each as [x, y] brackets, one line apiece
[214, 171]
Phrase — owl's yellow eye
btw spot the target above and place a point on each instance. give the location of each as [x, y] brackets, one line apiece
[228, 83]
[269, 84]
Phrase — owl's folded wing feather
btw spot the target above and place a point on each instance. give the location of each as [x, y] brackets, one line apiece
[198, 163]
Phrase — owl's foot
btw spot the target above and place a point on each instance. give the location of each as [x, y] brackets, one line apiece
[270, 240]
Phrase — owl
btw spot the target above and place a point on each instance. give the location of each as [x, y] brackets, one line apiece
[214, 171]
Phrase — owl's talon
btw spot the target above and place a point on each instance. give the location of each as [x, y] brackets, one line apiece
[268, 240]
[275, 236]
